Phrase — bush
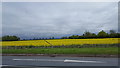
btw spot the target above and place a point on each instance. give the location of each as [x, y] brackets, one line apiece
[10, 38]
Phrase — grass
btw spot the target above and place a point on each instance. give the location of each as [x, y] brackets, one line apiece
[91, 51]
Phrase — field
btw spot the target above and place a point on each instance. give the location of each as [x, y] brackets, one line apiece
[107, 46]
[60, 42]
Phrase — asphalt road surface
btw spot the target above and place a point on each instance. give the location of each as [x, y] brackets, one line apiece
[57, 61]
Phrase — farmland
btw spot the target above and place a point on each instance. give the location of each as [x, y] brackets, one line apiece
[61, 42]
[108, 46]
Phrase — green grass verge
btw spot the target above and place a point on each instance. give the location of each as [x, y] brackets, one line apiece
[109, 51]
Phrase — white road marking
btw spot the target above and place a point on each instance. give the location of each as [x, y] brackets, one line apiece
[83, 61]
[4, 65]
[66, 60]
[35, 60]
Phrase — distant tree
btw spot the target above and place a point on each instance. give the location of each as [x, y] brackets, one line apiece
[81, 37]
[40, 38]
[24, 39]
[46, 38]
[64, 37]
[118, 35]
[112, 32]
[87, 34]
[74, 37]
[53, 38]
[102, 34]
[10, 38]
[50, 38]
[93, 35]
[0, 38]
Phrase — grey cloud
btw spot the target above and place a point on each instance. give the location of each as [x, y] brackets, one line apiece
[0, 19]
[58, 18]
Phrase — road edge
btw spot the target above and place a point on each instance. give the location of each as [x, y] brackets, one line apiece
[63, 55]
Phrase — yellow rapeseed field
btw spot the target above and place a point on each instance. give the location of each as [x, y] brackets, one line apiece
[59, 42]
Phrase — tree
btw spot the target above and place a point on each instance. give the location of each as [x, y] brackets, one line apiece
[74, 37]
[112, 34]
[0, 38]
[64, 37]
[53, 38]
[10, 38]
[89, 35]
[102, 34]
[93, 35]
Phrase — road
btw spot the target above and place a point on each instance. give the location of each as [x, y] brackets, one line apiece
[57, 61]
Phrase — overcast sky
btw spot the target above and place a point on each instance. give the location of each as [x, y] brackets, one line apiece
[47, 19]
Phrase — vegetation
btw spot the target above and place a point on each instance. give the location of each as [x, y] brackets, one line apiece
[86, 35]
[101, 34]
[61, 42]
[10, 38]
[88, 43]
[70, 46]
[91, 51]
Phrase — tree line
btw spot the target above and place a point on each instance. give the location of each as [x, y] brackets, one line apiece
[86, 35]
[10, 38]
[101, 34]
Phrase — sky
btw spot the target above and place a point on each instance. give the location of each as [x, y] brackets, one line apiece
[57, 19]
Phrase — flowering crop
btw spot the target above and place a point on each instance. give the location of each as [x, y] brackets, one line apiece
[60, 42]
